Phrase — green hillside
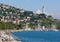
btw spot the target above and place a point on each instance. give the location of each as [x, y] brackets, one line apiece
[9, 14]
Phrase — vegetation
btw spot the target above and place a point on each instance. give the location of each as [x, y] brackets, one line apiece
[7, 25]
[35, 19]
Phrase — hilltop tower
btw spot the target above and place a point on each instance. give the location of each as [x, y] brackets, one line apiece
[43, 9]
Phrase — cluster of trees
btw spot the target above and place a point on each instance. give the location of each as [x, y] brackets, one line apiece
[7, 25]
[35, 19]
[40, 19]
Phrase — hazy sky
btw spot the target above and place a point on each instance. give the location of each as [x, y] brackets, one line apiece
[51, 6]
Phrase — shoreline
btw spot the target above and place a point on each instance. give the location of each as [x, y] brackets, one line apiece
[7, 37]
[12, 31]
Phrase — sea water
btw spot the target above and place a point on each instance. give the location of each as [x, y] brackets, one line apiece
[38, 36]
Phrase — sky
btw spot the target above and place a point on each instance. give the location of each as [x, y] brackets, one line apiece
[51, 6]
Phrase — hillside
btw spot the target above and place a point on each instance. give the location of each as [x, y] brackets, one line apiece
[20, 18]
[6, 9]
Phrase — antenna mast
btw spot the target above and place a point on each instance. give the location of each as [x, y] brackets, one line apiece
[43, 9]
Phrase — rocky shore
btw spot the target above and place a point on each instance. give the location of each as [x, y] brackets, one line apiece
[7, 37]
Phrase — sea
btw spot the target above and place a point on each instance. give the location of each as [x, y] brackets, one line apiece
[38, 36]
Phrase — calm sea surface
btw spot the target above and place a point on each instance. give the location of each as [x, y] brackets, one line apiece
[38, 36]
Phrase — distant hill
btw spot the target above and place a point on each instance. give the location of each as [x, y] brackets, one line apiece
[6, 9]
